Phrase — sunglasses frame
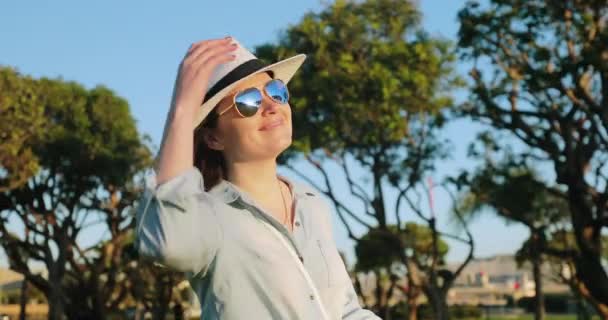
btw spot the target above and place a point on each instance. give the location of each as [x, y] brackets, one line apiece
[263, 91]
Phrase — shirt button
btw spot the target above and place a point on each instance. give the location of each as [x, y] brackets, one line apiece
[312, 297]
[297, 223]
[301, 258]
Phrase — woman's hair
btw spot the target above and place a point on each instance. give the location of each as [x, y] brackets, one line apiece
[210, 162]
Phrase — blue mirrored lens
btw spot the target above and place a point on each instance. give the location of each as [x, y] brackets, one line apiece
[248, 101]
[277, 90]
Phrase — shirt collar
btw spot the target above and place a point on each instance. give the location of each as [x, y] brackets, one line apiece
[229, 192]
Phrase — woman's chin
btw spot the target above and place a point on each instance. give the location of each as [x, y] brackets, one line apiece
[281, 144]
[276, 146]
[273, 142]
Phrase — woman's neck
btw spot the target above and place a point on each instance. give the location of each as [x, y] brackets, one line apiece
[258, 179]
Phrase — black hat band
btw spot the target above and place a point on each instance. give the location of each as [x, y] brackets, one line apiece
[240, 72]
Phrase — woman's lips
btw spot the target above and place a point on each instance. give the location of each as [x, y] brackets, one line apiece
[272, 125]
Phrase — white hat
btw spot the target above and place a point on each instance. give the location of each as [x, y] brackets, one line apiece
[228, 75]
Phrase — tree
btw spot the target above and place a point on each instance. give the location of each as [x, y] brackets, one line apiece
[514, 192]
[370, 97]
[531, 251]
[83, 154]
[377, 252]
[564, 270]
[541, 74]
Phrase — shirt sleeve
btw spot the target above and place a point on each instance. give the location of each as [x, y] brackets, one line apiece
[352, 308]
[176, 223]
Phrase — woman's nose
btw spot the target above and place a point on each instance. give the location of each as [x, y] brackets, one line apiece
[269, 105]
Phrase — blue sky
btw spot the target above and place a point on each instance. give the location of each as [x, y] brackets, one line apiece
[134, 48]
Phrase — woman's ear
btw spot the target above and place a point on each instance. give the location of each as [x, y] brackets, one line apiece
[212, 140]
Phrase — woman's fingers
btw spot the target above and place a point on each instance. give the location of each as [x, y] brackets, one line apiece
[200, 48]
[196, 45]
[218, 59]
[209, 57]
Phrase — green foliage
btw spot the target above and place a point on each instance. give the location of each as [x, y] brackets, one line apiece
[374, 84]
[555, 303]
[85, 152]
[92, 138]
[465, 312]
[374, 91]
[22, 120]
[515, 192]
[88, 137]
[379, 248]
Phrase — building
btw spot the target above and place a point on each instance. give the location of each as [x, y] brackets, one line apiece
[10, 293]
[496, 280]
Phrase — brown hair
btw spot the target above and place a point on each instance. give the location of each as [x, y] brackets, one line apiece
[210, 162]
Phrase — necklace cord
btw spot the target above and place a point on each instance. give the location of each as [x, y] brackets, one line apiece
[286, 217]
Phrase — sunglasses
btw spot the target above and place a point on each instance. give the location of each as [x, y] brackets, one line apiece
[249, 100]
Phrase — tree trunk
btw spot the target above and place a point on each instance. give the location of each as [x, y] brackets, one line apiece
[414, 288]
[178, 311]
[581, 310]
[412, 307]
[378, 294]
[23, 300]
[55, 300]
[588, 263]
[389, 294]
[579, 287]
[164, 291]
[539, 296]
[140, 310]
[98, 300]
[438, 301]
[441, 310]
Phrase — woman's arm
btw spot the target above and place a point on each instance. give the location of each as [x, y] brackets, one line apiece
[176, 223]
[176, 151]
[175, 219]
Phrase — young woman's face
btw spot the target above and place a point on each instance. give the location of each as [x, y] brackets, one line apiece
[262, 136]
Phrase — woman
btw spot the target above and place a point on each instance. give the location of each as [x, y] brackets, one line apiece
[255, 245]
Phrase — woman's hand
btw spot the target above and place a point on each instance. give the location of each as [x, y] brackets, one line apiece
[196, 68]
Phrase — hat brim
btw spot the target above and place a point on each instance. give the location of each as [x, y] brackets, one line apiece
[283, 70]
